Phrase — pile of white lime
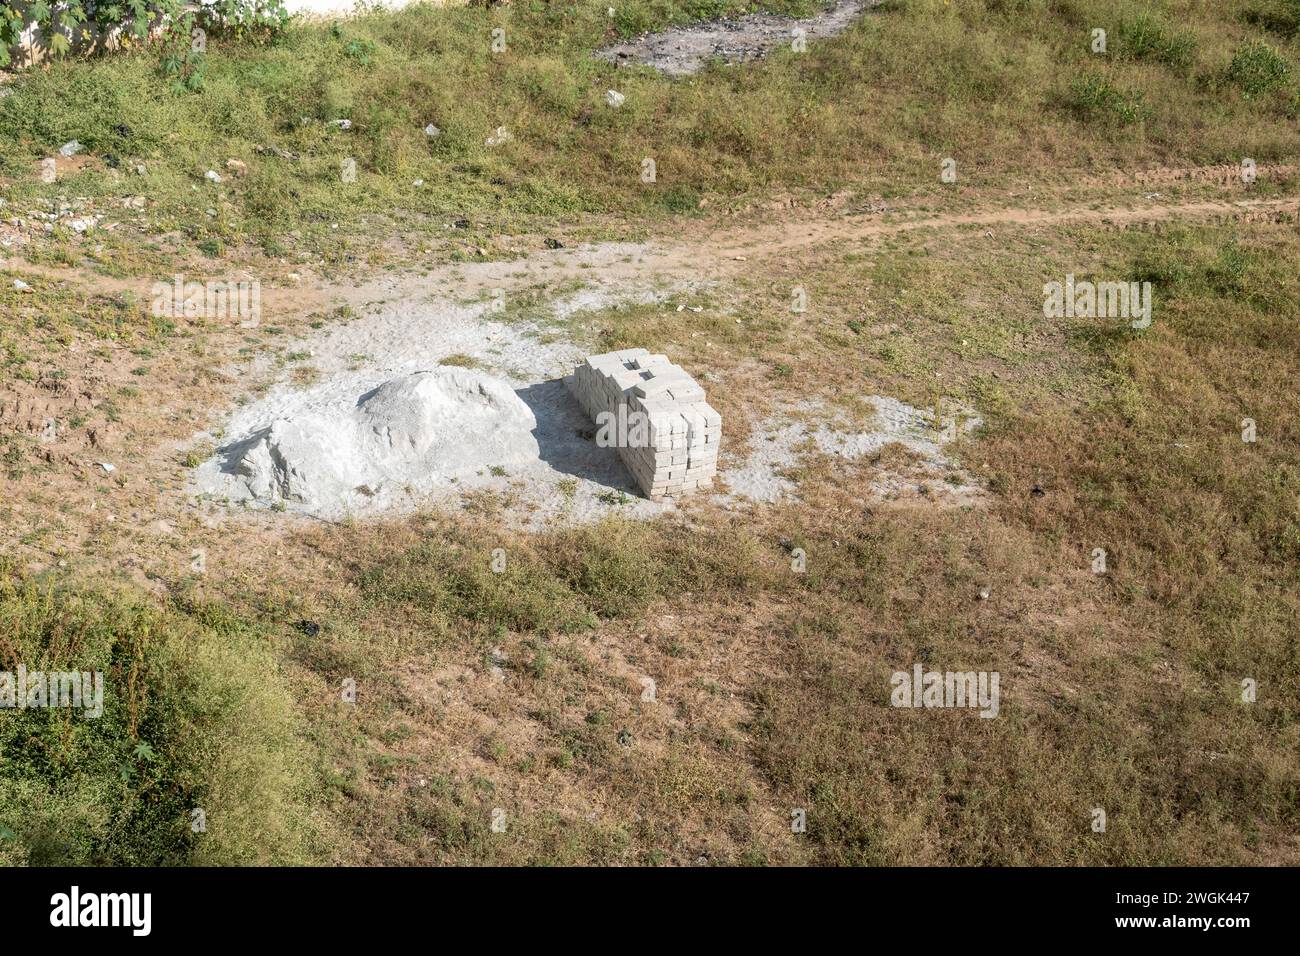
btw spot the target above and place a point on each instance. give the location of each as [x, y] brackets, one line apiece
[408, 436]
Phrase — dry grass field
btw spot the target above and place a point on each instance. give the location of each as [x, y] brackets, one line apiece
[710, 684]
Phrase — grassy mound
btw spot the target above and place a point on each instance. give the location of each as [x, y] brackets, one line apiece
[1007, 86]
[194, 718]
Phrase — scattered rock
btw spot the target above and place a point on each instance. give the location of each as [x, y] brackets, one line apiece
[70, 148]
[681, 51]
[614, 98]
[275, 151]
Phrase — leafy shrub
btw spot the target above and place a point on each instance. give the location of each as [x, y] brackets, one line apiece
[74, 23]
[244, 19]
[1093, 98]
[1145, 38]
[1258, 69]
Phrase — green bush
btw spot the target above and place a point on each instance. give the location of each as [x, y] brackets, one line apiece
[194, 717]
[1258, 69]
[72, 23]
[1093, 98]
[1145, 38]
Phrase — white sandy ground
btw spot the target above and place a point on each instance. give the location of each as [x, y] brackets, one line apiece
[553, 472]
[795, 431]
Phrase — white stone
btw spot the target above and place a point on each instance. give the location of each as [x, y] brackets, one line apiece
[684, 431]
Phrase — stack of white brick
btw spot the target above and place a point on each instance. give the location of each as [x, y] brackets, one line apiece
[665, 432]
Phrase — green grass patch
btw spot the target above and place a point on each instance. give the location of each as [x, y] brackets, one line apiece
[194, 720]
[853, 109]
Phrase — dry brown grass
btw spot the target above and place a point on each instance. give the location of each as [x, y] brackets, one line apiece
[771, 687]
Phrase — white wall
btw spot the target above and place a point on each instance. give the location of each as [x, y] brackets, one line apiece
[333, 7]
[24, 53]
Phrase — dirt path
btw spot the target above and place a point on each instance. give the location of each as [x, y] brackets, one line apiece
[723, 253]
[779, 239]
[185, 394]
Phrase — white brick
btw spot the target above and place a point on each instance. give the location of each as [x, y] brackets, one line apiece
[680, 451]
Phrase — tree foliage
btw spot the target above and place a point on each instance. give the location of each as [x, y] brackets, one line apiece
[62, 26]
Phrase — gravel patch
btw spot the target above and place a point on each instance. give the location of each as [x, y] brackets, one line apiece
[682, 51]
